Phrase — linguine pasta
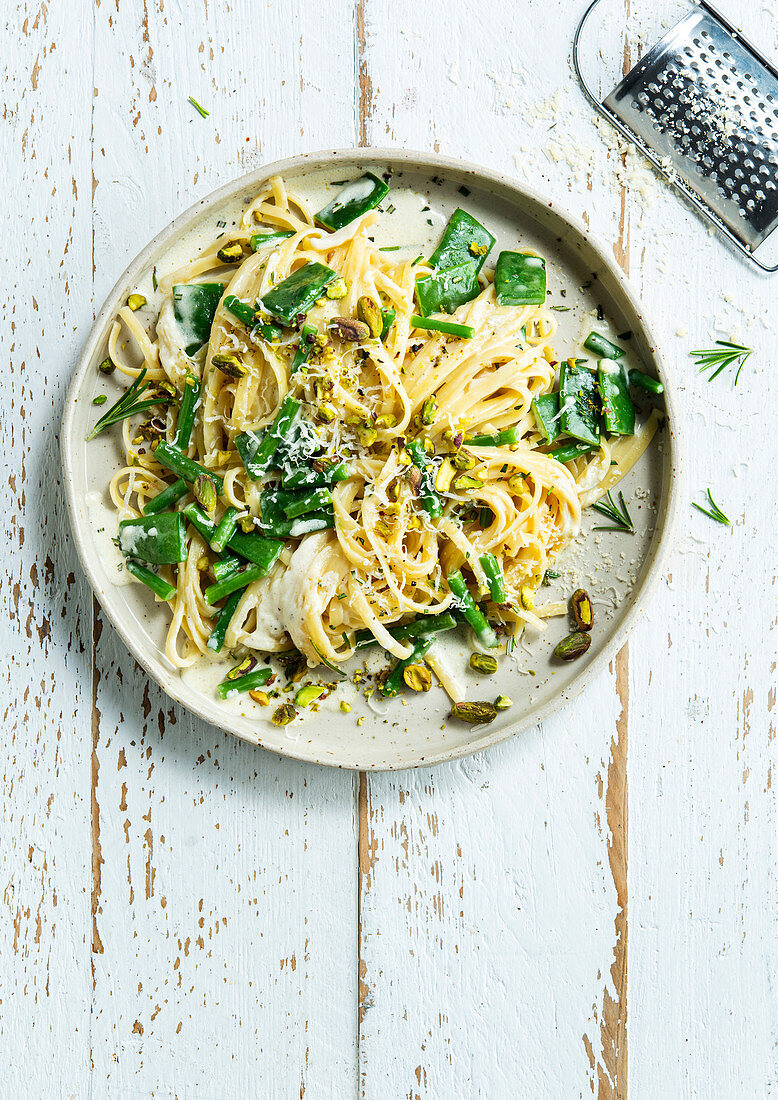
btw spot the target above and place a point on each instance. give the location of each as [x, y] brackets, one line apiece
[398, 411]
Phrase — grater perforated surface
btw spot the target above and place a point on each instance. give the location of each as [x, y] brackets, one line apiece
[708, 109]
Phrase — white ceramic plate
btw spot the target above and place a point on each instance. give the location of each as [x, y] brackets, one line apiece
[617, 570]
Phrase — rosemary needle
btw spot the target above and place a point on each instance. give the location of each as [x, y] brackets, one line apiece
[618, 514]
[714, 512]
[723, 355]
[200, 109]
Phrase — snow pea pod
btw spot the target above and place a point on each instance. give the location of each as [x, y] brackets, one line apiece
[352, 202]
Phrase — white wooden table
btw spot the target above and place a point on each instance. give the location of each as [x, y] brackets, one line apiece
[184, 916]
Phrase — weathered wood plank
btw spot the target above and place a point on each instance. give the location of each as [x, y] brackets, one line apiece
[44, 603]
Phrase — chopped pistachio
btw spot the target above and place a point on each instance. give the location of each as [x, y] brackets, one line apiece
[100, 399]
[474, 713]
[445, 475]
[230, 365]
[107, 366]
[260, 697]
[463, 460]
[203, 563]
[348, 328]
[205, 492]
[386, 421]
[502, 702]
[582, 609]
[136, 301]
[527, 597]
[464, 481]
[337, 289]
[417, 677]
[230, 253]
[344, 706]
[367, 435]
[283, 715]
[429, 411]
[308, 694]
[326, 413]
[383, 528]
[483, 662]
[369, 311]
[246, 524]
[516, 483]
[573, 646]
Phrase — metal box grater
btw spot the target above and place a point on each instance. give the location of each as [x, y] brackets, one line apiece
[702, 105]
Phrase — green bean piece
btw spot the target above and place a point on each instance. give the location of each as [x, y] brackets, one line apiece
[277, 524]
[464, 239]
[430, 501]
[433, 325]
[426, 624]
[158, 585]
[170, 457]
[445, 291]
[167, 498]
[313, 500]
[505, 438]
[222, 622]
[233, 583]
[494, 576]
[389, 316]
[393, 684]
[310, 478]
[242, 311]
[257, 449]
[579, 402]
[254, 547]
[545, 410]
[472, 613]
[262, 240]
[256, 679]
[225, 566]
[645, 382]
[186, 412]
[194, 308]
[225, 529]
[618, 411]
[354, 200]
[519, 279]
[600, 346]
[298, 292]
[159, 539]
[569, 451]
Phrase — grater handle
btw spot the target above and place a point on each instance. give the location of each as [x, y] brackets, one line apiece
[614, 121]
[588, 90]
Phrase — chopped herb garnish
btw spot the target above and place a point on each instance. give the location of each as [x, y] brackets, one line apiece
[617, 513]
[464, 190]
[723, 355]
[714, 513]
[417, 260]
[389, 248]
[200, 109]
[600, 313]
[549, 576]
[154, 282]
[562, 309]
[625, 335]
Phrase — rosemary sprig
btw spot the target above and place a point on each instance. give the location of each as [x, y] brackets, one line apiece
[200, 109]
[723, 355]
[618, 514]
[714, 512]
[128, 405]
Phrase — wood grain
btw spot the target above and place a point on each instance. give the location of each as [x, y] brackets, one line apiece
[185, 916]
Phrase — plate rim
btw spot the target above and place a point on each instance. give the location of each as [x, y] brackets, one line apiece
[305, 751]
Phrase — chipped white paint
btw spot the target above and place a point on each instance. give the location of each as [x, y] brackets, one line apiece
[182, 915]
